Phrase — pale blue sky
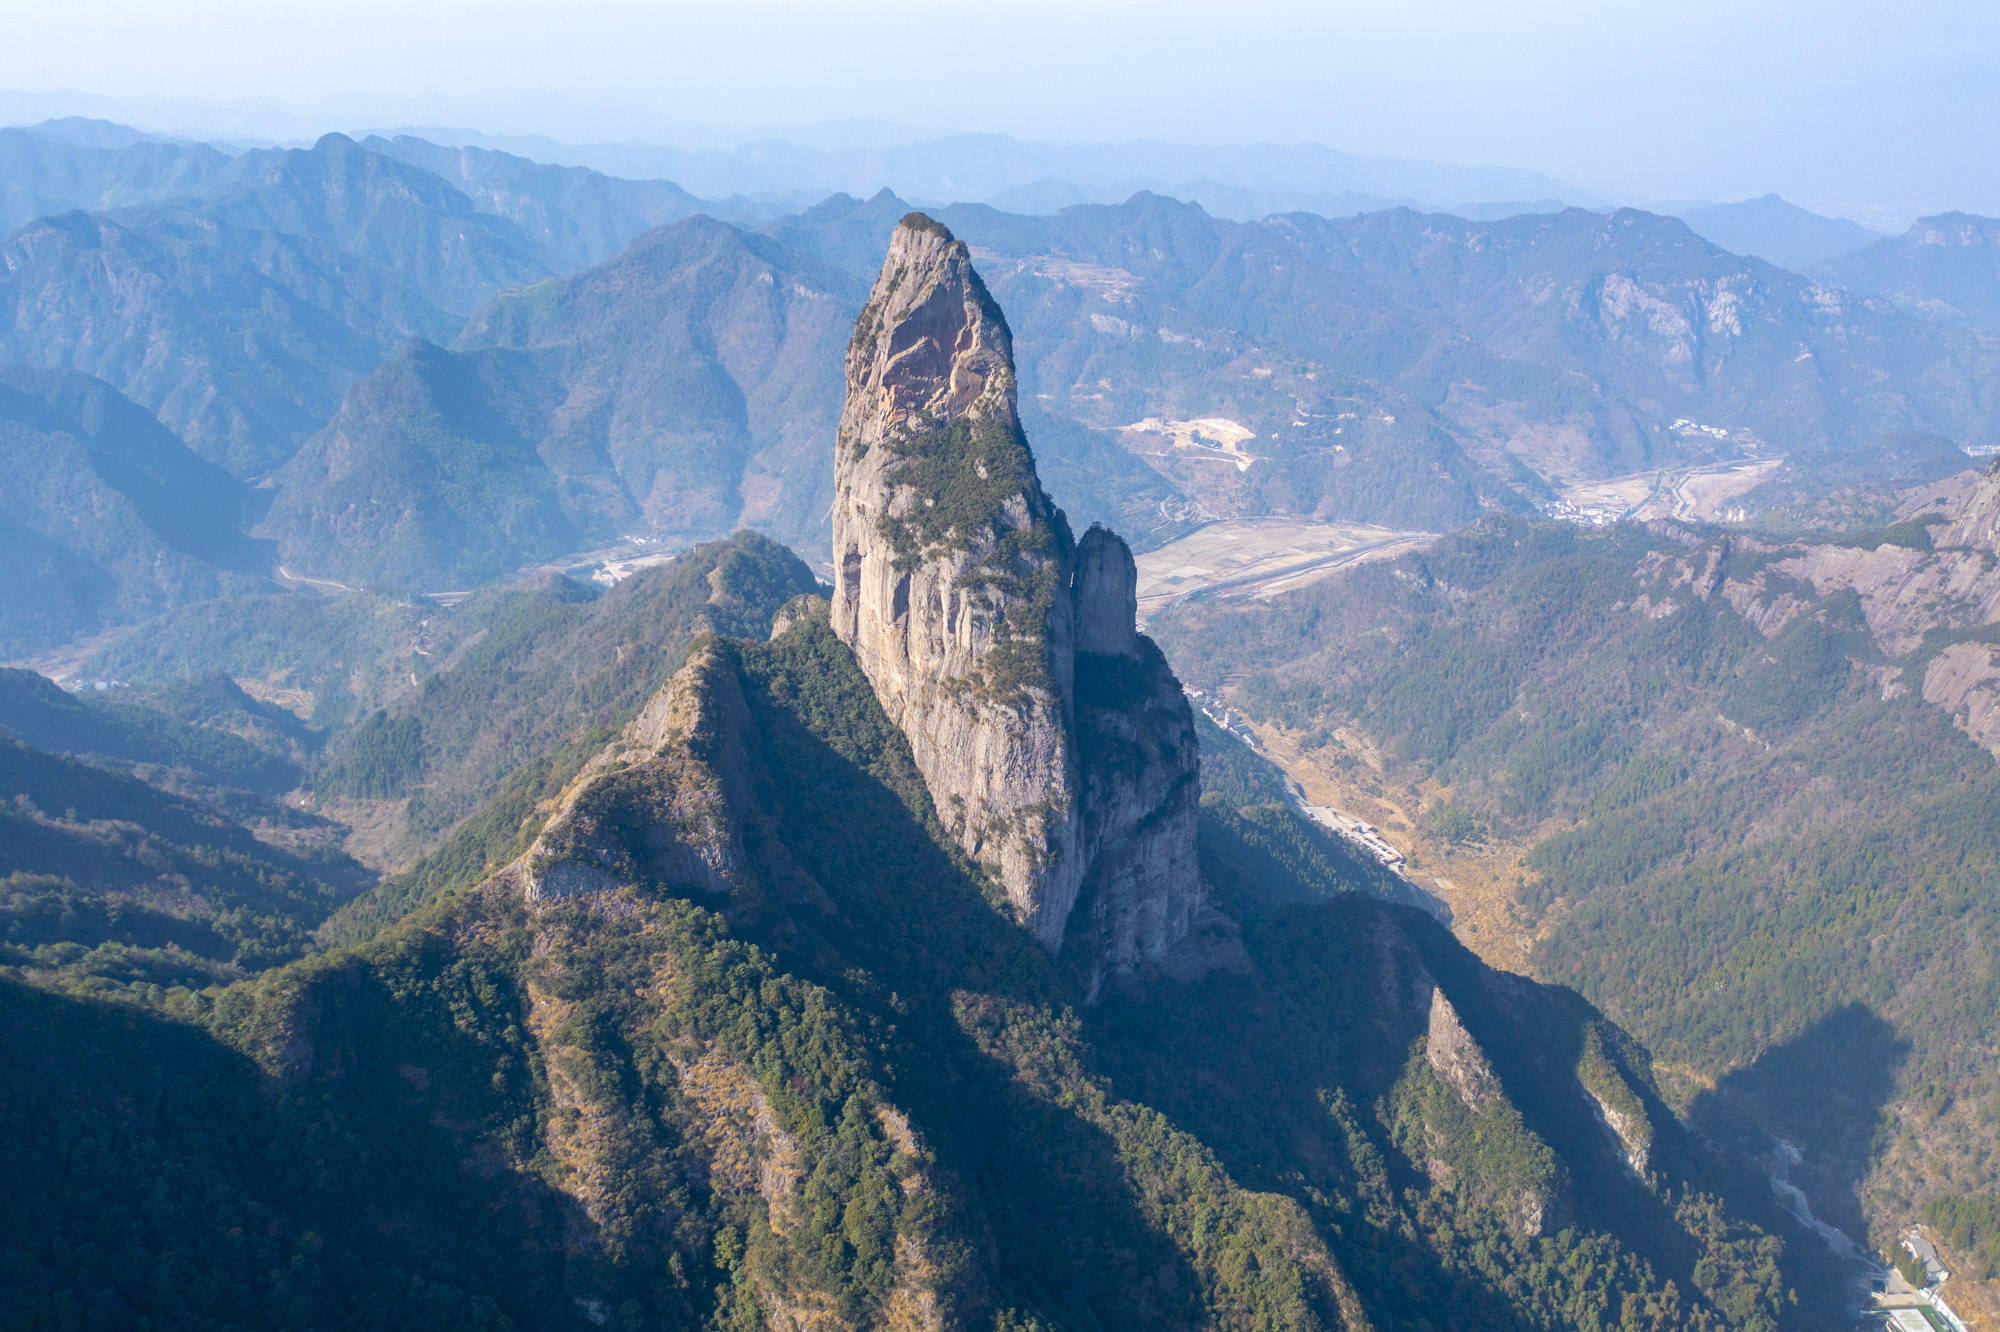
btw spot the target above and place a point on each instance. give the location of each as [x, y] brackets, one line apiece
[1838, 103]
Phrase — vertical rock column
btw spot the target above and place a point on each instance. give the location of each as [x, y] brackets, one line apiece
[952, 570]
[1141, 774]
[1054, 739]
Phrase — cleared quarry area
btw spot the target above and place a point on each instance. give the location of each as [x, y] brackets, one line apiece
[1260, 557]
[1214, 438]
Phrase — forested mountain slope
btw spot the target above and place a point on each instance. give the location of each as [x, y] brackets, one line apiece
[847, 1084]
[550, 671]
[112, 885]
[1756, 837]
[105, 517]
[112, 730]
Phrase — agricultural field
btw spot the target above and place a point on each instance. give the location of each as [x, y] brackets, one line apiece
[1260, 557]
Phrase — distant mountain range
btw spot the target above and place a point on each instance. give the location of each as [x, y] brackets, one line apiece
[809, 162]
[1776, 231]
[1946, 266]
[407, 219]
[679, 390]
[53, 168]
[581, 216]
[1397, 367]
[239, 314]
[1510, 355]
[441, 363]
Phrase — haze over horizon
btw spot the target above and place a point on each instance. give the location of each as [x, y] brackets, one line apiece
[1840, 107]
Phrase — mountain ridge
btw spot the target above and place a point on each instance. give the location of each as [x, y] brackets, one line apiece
[680, 389]
[1776, 230]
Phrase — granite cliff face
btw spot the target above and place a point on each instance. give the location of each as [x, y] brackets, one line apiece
[1053, 737]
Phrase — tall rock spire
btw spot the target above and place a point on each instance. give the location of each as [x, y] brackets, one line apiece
[1055, 742]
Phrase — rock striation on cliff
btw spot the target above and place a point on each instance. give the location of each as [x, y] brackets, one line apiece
[1056, 742]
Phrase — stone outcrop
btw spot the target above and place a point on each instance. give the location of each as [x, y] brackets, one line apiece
[1632, 1133]
[1055, 741]
[1944, 582]
[1971, 505]
[662, 802]
[1456, 1058]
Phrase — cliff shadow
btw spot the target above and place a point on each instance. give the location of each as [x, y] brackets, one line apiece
[970, 1009]
[157, 1174]
[1286, 1071]
[1823, 1091]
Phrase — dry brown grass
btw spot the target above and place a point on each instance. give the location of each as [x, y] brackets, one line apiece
[1477, 881]
[375, 829]
[747, 1152]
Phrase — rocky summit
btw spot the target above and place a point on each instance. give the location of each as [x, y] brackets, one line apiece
[1055, 740]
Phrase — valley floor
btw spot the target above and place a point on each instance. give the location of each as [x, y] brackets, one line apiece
[1260, 557]
[1474, 880]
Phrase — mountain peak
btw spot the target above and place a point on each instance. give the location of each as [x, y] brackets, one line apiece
[1054, 739]
[931, 343]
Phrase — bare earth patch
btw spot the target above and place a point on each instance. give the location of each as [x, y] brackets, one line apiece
[1215, 438]
[375, 833]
